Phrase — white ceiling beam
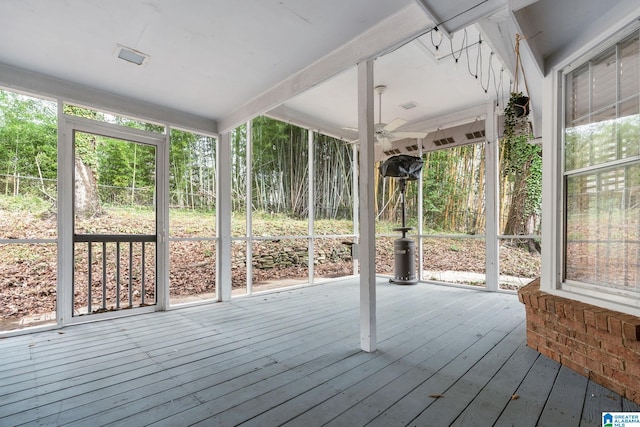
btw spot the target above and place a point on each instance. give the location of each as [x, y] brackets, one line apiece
[457, 118]
[434, 17]
[529, 51]
[451, 17]
[21, 80]
[499, 33]
[288, 115]
[388, 35]
[520, 4]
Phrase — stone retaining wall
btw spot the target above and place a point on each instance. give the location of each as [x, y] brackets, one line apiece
[288, 253]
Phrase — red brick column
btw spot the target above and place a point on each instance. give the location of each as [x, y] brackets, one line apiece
[600, 344]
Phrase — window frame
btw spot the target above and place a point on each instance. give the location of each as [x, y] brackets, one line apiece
[556, 270]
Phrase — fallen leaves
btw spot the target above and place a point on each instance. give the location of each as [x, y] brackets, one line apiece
[28, 272]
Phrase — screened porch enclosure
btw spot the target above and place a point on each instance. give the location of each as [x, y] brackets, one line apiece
[297, 232]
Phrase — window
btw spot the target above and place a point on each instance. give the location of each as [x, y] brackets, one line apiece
[602, 171]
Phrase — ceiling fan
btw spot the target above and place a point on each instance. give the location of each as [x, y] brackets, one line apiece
[385, 132]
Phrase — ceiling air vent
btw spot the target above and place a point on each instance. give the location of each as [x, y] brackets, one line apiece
[392, 152]
[444, 141]
[131, 55]
[475, 135]
[409, 105]
[412, 148]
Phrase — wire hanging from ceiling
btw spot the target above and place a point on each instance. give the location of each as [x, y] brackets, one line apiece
[473, 73]
[486, 76]
[437, 46]
[462, 46]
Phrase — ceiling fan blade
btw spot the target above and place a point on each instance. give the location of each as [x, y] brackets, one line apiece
[394, 124]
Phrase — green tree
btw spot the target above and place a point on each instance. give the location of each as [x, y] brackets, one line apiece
[192, 170]
[279, 167]
[28, 144]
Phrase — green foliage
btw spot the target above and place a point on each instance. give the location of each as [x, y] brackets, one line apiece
[280, 165]
[28, 136]
[534, 184]
[280, 179]
[523, 163]
[333, 178]
[192, 166]
[453, 189]
[24, 203]
[84, 143]
[115, 163]
[452, 179]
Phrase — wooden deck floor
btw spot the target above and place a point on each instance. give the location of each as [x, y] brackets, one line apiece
[447, 356]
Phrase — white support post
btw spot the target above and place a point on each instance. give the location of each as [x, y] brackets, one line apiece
[420, 241]
[162, 222]
[223, 209]
[355, 208]
[248, 204]
[311, 206]
[492, 248]
[367, 249]
[552, 202]
[64, 300]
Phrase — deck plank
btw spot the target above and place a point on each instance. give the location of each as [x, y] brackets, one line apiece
[421, 341]
[532, 393]
[459, 387]
[292, 357]
[566, 400]
[475, 334]
[598, 400]
[489, 403]
[382, 368]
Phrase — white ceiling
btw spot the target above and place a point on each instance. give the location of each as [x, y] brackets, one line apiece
[226, 61]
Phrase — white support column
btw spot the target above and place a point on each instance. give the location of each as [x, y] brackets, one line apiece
[355, 208]
[311, 205]
[492, 249]
[552, 199]
[367, 250]
[162, 222]
[420, 241]
[248, 203]
[223, 210]
[64, 300]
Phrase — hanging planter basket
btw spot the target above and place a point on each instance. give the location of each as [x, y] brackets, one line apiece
[516, 116]
[520, 104]
[516, 112]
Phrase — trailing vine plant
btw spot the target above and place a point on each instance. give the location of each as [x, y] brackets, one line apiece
[522, 162]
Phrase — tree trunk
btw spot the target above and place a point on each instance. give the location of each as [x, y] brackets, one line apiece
[87, 202]
[516, 220]
[519, 221]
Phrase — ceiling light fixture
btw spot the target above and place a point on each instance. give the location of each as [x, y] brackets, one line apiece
[131, 55]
